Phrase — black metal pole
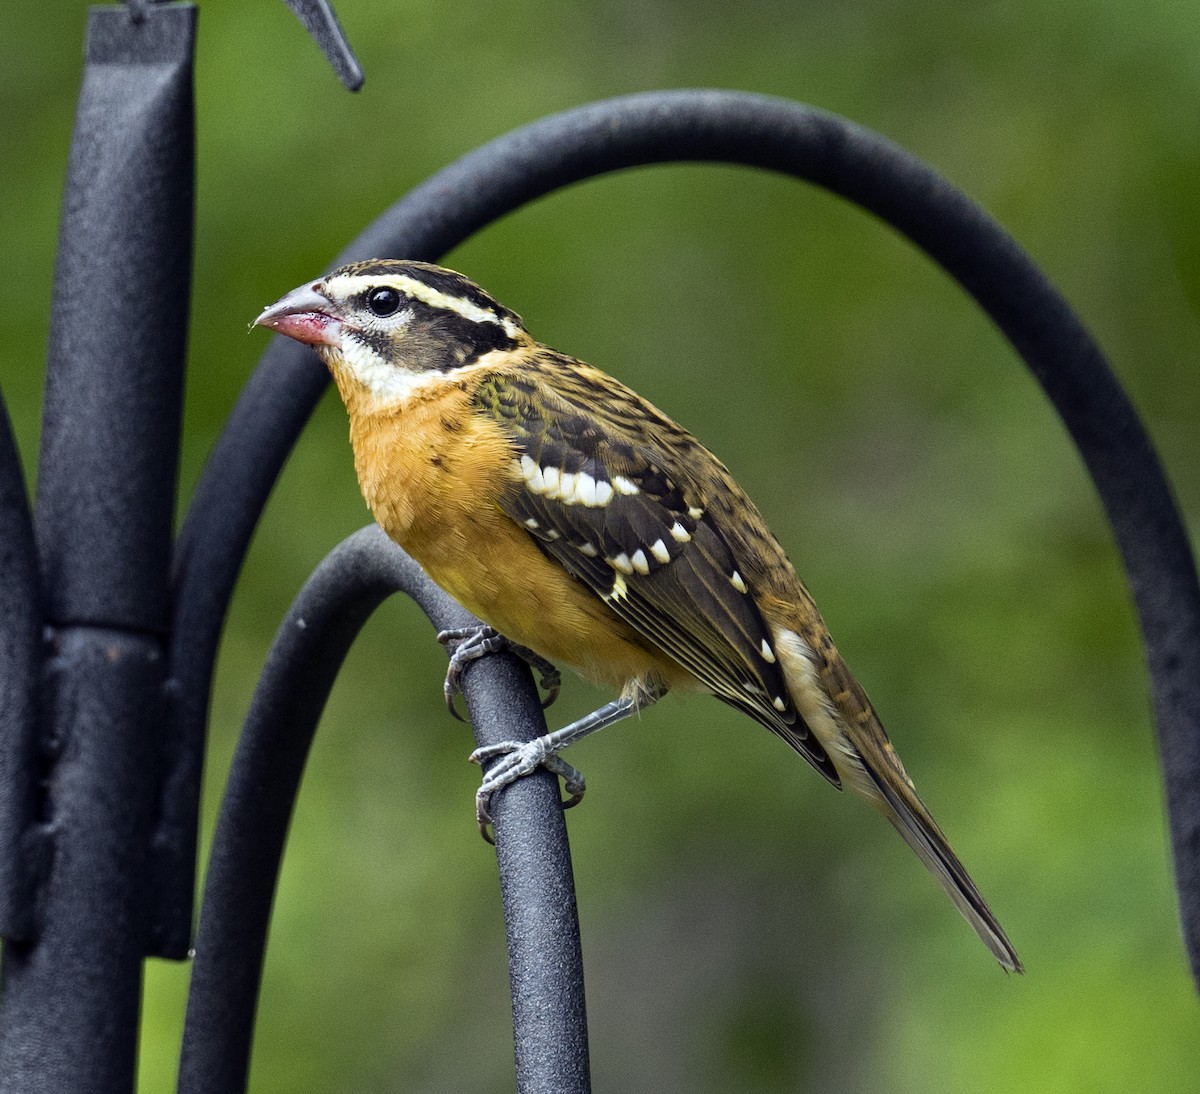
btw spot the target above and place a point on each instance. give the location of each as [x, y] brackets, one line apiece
[106, 493]
[261, 792]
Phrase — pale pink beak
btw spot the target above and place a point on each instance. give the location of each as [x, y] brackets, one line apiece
[305, 315]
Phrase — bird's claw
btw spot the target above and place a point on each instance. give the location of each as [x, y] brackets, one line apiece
[521, 759]
[467, 644]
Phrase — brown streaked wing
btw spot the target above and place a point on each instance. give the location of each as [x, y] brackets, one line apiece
[603, 502]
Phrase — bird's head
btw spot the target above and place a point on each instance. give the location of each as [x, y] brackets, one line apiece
[388, 328]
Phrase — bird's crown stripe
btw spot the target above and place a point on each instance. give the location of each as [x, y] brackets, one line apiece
[417, 289]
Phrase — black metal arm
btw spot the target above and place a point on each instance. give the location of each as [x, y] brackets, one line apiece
[321, 22]
[539, 900]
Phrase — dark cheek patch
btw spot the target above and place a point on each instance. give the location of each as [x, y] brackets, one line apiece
[466, 338]
[379, 344]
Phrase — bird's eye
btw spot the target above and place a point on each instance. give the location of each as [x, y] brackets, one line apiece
[383, 301]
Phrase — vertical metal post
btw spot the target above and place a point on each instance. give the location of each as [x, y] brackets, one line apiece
[20, 639]
[110, 437]
[103, 516]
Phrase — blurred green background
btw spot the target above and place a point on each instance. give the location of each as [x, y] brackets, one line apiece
[745, 928]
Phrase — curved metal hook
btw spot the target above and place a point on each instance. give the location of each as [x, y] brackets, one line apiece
[261, 791]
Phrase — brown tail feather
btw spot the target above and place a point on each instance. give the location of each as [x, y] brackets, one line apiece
[912, 820]
[838, 712]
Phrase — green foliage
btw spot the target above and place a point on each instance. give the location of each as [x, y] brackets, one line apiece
[745, 929]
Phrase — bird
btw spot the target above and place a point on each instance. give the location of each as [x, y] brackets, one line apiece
[585, 527]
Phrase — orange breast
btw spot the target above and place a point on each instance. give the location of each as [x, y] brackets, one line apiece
[430, 472]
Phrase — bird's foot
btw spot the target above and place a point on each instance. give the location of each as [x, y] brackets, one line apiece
[467, 644]
[521, 759]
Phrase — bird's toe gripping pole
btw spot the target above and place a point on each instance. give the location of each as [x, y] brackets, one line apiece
[467, 644]
[520, 759]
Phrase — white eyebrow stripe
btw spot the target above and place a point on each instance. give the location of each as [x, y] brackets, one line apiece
[348, 285]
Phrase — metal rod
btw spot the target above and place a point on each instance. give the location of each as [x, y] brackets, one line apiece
[321, 21]
[260, 795]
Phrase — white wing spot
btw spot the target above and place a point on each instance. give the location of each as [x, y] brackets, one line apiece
[767, 652]
[531, 523]
[660, 552]
[585, 490]
[588, 549]
[737, 582]
[625, 486]
[679, 533]
[552, 534]
[566, 487]
[619, 589]
[640, 562]
[622, 563]
[572, 487]
[695, 513]
[779, 705]
[532, 475]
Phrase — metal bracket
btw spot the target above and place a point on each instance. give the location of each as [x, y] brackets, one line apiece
[321, 22]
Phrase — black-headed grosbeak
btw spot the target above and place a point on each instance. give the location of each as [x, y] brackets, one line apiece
[580, 522]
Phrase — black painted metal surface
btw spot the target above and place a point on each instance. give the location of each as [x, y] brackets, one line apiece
[321, 22]
[22, 839]
[72, 985]
[110, 437]
[69, 1011]
[538, 893]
